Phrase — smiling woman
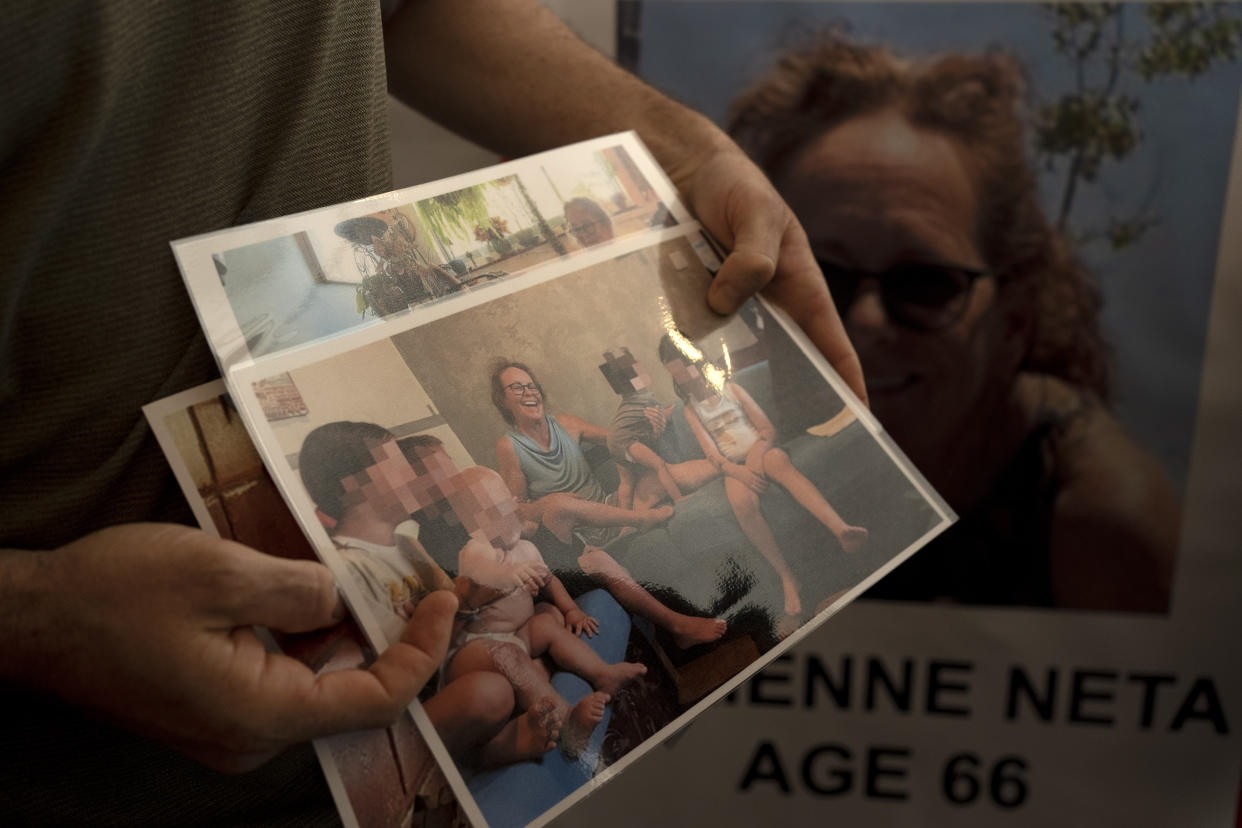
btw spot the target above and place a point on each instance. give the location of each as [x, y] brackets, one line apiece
[541, 461]
[977, 330]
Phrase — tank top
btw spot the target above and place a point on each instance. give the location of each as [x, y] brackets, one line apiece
[561, 467]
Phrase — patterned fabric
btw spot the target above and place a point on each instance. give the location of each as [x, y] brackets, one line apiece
[630, 424]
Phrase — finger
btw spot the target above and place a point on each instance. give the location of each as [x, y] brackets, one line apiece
[757, 223]
[360, 699]
[285, 595]
[800, 290]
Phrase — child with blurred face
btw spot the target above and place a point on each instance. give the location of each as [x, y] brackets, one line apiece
[738, 439]
[502, 629]
[635, 427]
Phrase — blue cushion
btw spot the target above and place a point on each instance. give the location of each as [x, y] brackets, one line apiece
[515, 795]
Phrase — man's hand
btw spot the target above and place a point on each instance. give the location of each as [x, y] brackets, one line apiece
[769, 251]
[150, 625]
[545, 87]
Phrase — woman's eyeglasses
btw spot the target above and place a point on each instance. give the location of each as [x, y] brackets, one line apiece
[922, 297]
[520, 388]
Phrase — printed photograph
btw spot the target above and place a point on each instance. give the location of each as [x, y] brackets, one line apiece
[342, 272]
[1018, 211]
[636, 501]
[387, 777]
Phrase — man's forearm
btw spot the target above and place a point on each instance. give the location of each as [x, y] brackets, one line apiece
[21, 607]
[511, 76]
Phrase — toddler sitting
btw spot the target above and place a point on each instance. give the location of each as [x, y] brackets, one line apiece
[502, 629]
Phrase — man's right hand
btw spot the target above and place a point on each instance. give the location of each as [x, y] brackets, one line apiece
[150, 626]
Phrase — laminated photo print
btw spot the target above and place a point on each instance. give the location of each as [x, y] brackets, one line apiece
[279, 284]
[638, 503]
[378, 778]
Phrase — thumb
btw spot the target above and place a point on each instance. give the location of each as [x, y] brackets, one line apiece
[424, 641]
[290, 596]
[757, 227]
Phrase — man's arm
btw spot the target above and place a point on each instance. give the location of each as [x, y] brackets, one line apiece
[150, 625]
[509, 75]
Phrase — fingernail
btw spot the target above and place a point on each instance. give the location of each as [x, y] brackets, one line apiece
[339, 612]
[724, 298]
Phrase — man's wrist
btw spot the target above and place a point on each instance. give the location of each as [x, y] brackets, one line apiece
[24, 602]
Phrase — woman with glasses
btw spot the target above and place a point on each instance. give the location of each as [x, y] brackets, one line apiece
[541, 461]
[977, 329]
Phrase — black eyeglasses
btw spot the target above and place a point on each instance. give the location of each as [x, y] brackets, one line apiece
[520, 388]
[919, 296]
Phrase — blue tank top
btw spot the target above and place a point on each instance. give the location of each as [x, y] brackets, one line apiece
[561, 467]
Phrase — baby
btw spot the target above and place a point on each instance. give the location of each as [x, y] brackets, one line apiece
[502, 629]
[632, 433]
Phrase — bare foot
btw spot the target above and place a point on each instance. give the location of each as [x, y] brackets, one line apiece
[787, 625]
[650, 518]
[689, 631]
[538, 729]
[586, 714]
[853, 538]
[614, 676]
[793, 604]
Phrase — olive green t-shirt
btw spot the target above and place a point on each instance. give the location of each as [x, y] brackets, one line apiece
[125, 124]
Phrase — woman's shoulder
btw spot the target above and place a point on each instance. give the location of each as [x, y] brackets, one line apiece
[1111, 494]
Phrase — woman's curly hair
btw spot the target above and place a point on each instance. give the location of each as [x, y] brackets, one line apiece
[977, 100]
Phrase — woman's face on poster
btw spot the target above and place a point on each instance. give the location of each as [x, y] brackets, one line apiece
[880, 200]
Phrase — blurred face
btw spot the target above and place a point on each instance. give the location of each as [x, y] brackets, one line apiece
[387, 486]
[485, 506]
[687, 377]
[891, 213]
[433, 468]
[522, 396]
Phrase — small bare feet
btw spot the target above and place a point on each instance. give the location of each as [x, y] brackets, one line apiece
[576, 732]
[831, 426]
[787, 625]
[538, 730]
[650, 518]
[853, 538]
[689, 631]
[614, 676]
[793, 604]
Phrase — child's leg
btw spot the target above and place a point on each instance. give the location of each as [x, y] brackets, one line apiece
[687, 630]
[745, 504]
[573, 654]
[531, 689]
[485, 654]
[625, 487]
[693, 474]
[643, 454]
[562, 512]
[528, 736]
[777, 466]
[473, 715]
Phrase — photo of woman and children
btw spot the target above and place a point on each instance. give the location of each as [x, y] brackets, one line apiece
[715, 505]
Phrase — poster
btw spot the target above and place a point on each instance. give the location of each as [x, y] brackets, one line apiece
[1009, 706]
